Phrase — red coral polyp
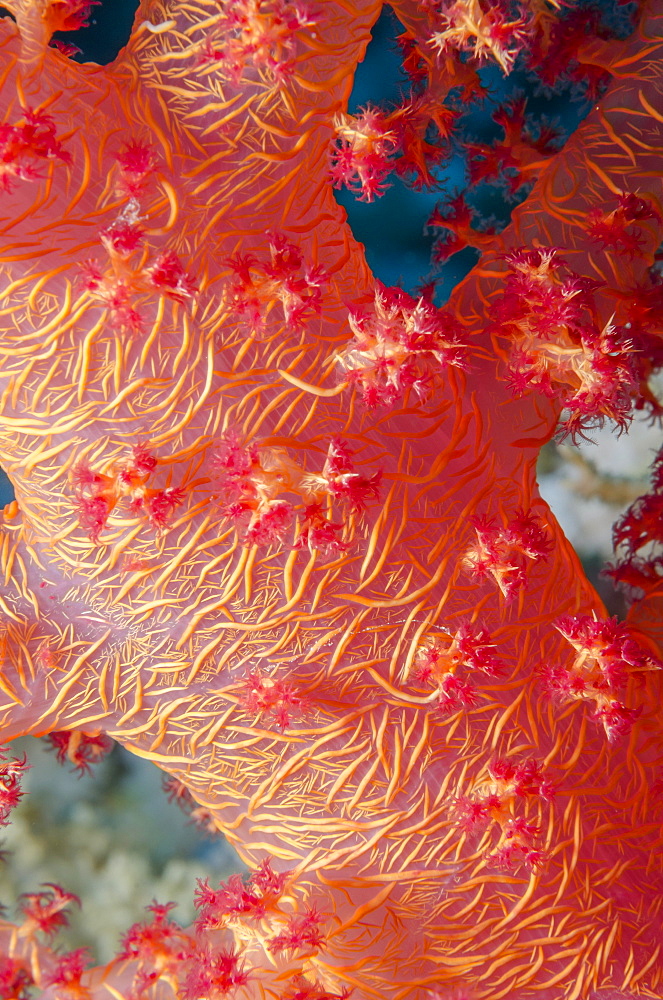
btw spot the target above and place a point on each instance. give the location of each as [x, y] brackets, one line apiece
[46, 911]
[343, 482]
[440, 658]
[136, 162]
[12, 770]
[257, 37]
[615, 231]
[496, 809]
[302, 933]
[364, 153]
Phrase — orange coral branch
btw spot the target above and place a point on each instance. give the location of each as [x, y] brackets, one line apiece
[234, 567]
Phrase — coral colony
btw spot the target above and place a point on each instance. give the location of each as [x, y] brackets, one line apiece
[276, 526]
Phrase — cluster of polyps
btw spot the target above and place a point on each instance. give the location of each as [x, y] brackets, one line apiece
[128, 275]
[206, 962]
[262, 913]
[81, 748]
[257, 35]
[364, 153]
[617, 230]
[271, 697]
[494, 807]
[370, 145]
[27, 146]
[505, 553]
[638, 538]
[257, 904]
[118, 284]
[251, 482]
[260, 283]
[440, 657]
[606, 655]
[400, 344]
[97, 494]
[559, 346]
[11, 772]
[493, 31]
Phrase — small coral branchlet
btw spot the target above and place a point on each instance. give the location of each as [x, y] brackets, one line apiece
[300, 933]
[518, 844]
[213, 973]
[342, 482]
[113, 293]
[484, 30]
[638, 538]
[136, 163]
[257, 37]
[317, 533]
[168, 276]
[512, 161]
[400, 344]
[158, 505]
[120, 286]
[411, 139]
[523, 778]
[261, 489]
[606, 656]
[248, 483]
[457, 219]
[364, 153]
[122, 236]
[254, 910]
[616, 231]
[157, 948]
[251, 485]
[506, 553]
[67, 973]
